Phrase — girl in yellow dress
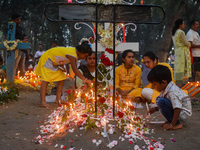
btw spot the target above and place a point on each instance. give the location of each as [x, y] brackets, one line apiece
[50, 67]
[127, 77]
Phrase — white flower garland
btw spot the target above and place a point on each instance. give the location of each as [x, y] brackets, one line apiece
[15, 43]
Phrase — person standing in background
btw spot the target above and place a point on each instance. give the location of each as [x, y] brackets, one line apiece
[20, 55]
[193, 37]
[39, 53]
[182, 62]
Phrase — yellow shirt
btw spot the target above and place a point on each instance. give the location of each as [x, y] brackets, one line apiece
[47, 67]
[128, 79]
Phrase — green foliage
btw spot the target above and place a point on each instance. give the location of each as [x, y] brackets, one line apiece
[10, 94]
[90, 123]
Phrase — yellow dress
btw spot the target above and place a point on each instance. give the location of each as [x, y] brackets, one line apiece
[126, 80]
[47, 67]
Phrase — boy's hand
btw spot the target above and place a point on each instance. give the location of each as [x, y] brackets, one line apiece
[151, 110]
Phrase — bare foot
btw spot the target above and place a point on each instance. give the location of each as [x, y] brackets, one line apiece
[178, 126]
[164, 123]
[45, 105]
[60, 102]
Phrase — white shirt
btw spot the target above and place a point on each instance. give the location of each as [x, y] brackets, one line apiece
[38, 54]
[193, 36]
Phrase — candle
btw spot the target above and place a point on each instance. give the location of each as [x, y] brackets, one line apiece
[70, 107]
[18, 74]
[77, 116]
[124, 36]
[86, 101]
[141, 2]
[116, 106]
[69, 1]
[104, 124]
[92, 93]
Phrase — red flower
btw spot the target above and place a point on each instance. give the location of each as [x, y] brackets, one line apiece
[32, 84]
[103, 57]
[68, 91]
[84, 115]
[151, 148]
[120, 114]
[130, 142]
[102, 100]
[109, 50]
[131, 108]
[91, 39]
[111, 63]
[90, 100]
[106, 61]
[82, 95]
[137, 118]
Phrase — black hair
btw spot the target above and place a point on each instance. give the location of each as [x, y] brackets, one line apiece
[15, 16]
[151, 55]
[178, 22]
[124, 54]
[91, 54]
[1, 60]
[31, 55]
[84, 48]
[159, 73]
[192, 22]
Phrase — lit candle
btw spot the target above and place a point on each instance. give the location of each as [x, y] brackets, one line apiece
[141, 2]
[69, 1]
[18, 74]
[86, 101]
[92, 93]
[104, 124]
[57, 126]
[77, 116]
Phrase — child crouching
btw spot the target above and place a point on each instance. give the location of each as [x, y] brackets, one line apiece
[172, 102]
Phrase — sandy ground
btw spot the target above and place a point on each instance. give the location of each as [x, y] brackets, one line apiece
[20, 122]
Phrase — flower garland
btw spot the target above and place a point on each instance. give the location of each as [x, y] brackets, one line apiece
[107, 36]
[15, 43]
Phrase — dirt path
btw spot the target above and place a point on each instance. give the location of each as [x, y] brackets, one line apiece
[19, 125]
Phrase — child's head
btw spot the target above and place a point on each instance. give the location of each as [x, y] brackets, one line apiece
[91, 60]
[84, 50]
[150, 59]
[128, 57]
[30, 56]
[160, 76]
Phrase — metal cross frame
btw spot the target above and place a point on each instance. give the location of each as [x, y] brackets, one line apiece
[119, 13]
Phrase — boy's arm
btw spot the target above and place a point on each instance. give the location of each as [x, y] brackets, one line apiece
[176, 115]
